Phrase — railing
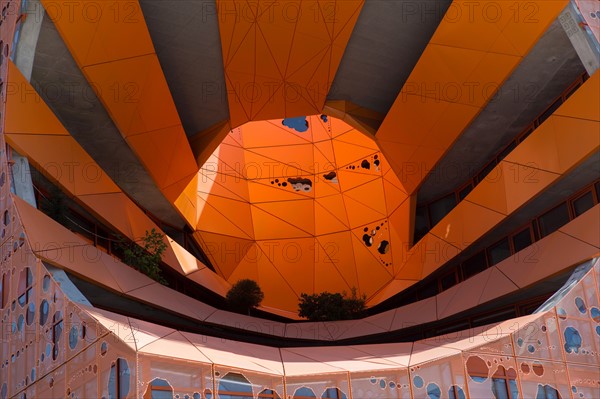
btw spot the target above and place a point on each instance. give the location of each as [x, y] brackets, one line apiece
[521, 238]
[432, 212]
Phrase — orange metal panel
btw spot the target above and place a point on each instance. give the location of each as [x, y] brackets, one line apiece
[370, 194]
[128, 79]
[278, 292]
[95, 31]
[585, 228]
[456, 229]
[510, 185]
[61, 159]
[225, 252]
[268, 226]
[350, 178]
[294, 260]
[371, 273]
[558, 144]
[330, 274]
[22, 103]
[585, 102]
[336, 250]
[326, 222]
[389, 290]
[540, 261]
[414, 314]
[280, 58]
[264, 191]
[478, 51]
[298, 213]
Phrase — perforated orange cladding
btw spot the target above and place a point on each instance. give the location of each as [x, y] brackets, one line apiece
[314, 194]
[280, 57]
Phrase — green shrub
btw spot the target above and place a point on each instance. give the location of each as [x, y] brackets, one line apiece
[145, 258]
[244, 295]
[330, 307]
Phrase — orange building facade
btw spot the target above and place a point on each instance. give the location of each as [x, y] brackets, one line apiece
[285, 170]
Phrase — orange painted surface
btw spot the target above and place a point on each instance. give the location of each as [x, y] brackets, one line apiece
[554, 149]
[280, 57]
[60, 158]
[128, 79]
[315, 198]
[473, 51]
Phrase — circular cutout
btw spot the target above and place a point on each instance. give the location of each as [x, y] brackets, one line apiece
[580, 305]
[30, 315]
[418, 381]
[538, 369]
[477, 369]
[573, 340]
[103, 348]
[433, 391]
[73, 337]
[44, 311]
[46, 283]
[595, 314]
[456, 392]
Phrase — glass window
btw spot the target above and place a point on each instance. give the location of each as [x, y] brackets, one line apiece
[304, 393]
[499, 388]
[25, 290]
[234, 386]
[498, 252]
[475, 264]
[462, 194]
[421, 223]
[333, 393]
[522, 240]
[456, 392]
[513, 388]
[441, 207]
[428, 290]
[119, 379]
[547, 392]
[583, 203]
[268, 393]
[507, 150]
[4, 288]
[554, 219]
[159, 389]
[527, 133]
[486, 170]
[57, 328]
[598, 191]
[449, 280]
[553, 107]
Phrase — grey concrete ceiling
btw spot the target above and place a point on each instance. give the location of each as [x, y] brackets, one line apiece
[583, 175]
[540, 78]
[386, 44]
[187, 42]
[61, 84]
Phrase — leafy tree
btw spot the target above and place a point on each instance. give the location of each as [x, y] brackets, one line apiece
[326, 306]
[244, 295]
[147, 257]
